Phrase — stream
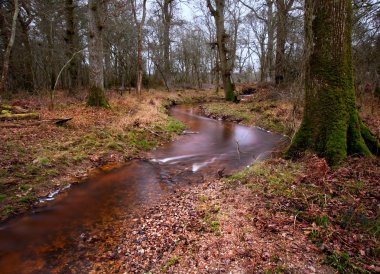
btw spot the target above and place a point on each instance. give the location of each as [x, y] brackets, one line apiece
[40, 241]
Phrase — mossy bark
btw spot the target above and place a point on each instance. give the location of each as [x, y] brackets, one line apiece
[331, 126]
[97, 98]
[229, 90]
[95, 46]
[225, 61]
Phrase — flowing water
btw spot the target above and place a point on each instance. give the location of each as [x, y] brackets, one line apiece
[42, 240]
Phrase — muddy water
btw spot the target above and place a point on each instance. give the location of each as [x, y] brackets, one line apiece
[47, 240]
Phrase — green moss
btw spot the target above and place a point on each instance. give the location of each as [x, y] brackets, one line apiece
[172, 261]
[341, 261]
[7, 210]
[112, 144]
[229, 91]
[330, 125]
[4, 112]
[43, 161]
[377, 92]
[370, 140]
[28, 199]
[2, 197]
[355, 142]
[97, 98]
[215, 227]
[203, 198]
[175, 126]
[139, 140]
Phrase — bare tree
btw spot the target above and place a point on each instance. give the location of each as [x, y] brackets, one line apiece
[264, 13]
[167, 10]
[221, 37]
[139, 26]
[4, 75]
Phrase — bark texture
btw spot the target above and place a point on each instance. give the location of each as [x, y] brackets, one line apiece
[7, 55]
[95, 46]
[221, 37]
[270, 42]
[283, 8]
[331, 125]
[70, 40]
[167, 16]
[139, 26]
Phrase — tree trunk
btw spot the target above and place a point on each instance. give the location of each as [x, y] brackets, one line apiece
[95, 47]
[221, 37]
[139, 26]
[331, 126]
[71, 45]
[139, 60]
[217, 74]
[167, 21]
[283, 8]
[28, 74]
[7, 55]
[269, 60]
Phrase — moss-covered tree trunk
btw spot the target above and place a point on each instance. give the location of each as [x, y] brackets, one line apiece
[95, 47]
[221, 37]
[331, 126]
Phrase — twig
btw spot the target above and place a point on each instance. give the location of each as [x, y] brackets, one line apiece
[151, 131]
[294, 222]
[67, 63]
[238, 149]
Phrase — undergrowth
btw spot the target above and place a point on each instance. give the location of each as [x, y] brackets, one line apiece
[337, 209]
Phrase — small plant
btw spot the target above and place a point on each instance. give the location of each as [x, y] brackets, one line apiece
[203, 198]
[7, 210]
[28, 199]
[215, 226]
[322, 221]
[2, 197]
[216, 208]
[172, 261]
[315, 236]
[43, 161]
[175, 126]
[342, 262]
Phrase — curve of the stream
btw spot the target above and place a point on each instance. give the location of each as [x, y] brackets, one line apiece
[38, 242]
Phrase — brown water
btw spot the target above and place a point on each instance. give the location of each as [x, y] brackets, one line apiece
[47, 240]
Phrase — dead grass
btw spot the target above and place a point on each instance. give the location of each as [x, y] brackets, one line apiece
[264, 109]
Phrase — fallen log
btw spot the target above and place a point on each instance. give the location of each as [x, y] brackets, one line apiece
[19, 116]
[13, 109]
[26, 123]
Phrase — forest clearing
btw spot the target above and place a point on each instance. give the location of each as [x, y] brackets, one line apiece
[210, 136]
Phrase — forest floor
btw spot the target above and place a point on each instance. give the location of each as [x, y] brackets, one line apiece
[38, 157]
[276, 216]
